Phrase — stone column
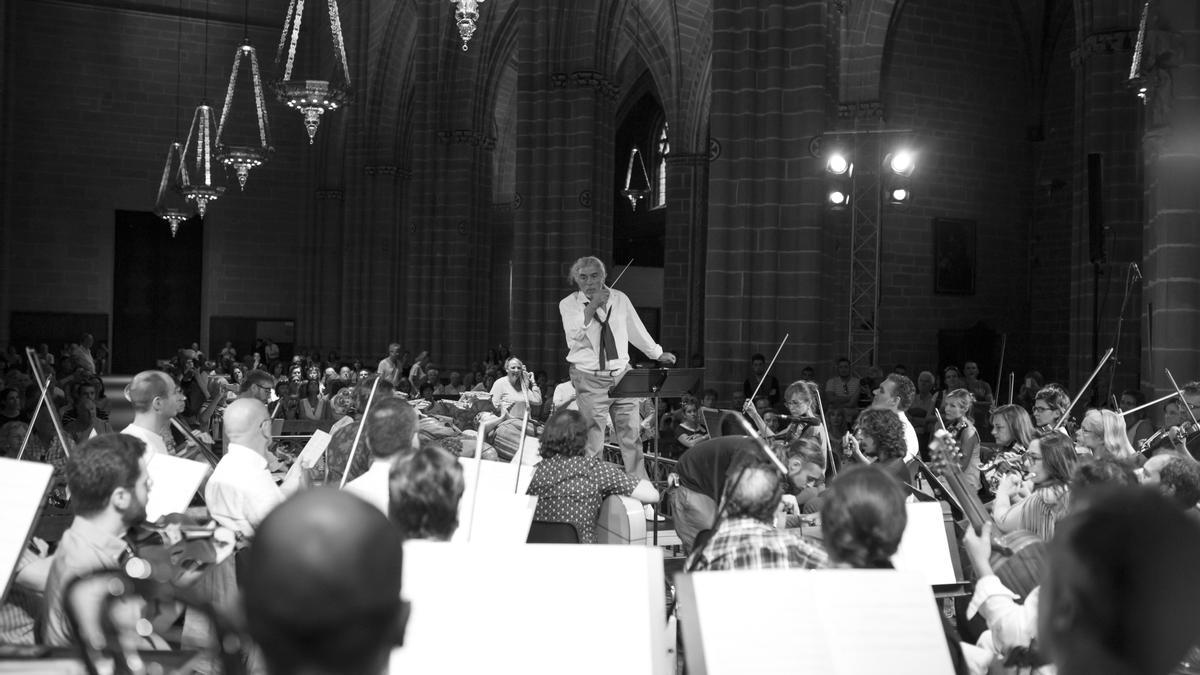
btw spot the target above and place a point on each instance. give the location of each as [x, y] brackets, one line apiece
[1171, 74]
[683, 270]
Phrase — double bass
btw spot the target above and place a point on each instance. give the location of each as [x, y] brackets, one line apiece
[1018, 558]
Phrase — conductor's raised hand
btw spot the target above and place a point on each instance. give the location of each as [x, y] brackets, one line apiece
[667, 358]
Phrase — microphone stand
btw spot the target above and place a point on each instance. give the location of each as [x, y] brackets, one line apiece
[1129, 281]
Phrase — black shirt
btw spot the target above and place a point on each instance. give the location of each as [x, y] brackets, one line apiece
[703, 468]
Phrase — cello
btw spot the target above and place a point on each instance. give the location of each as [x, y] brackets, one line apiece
[1018, 558]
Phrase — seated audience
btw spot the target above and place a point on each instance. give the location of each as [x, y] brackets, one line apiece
[745, 536]
[321, 587]
[424, 487]
[390, 431]
[10, 406]
[81, 420]
[313, 406]
[1041, 503]
[690, 430]
[571, 486]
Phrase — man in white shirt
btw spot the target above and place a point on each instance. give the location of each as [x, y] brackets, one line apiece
[241, 492]
[155, 398]
[600, 323]
[391, 430]
[896, 394]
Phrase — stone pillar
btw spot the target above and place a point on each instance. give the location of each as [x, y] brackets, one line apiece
[1171, 74]
[765, 258]
[1106, 115]
[683, 269]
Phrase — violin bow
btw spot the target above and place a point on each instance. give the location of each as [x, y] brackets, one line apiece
[1012, 376]
[1067, 413]
[769, 366]
[1179, 392]
[1000, 370]
[475, 488]
[1156, 401]
[358, 434]
[43, 381]
[825, 433]
[29, 431]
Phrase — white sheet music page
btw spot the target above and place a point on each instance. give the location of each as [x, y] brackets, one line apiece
[174, 482]
[310, 455]
[924, 548]
[23, 488]
[500, 608]
[824, 622]
[498, 502]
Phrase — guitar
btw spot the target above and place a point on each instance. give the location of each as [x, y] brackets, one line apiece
[1018, 558]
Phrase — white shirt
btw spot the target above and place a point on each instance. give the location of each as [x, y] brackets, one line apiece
[565, 391]
[372, 486]
[583, 340]
[153, 440]
[912, 445]
[505, 396]
[241, 492]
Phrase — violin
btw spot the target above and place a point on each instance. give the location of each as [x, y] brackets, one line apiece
[177, 548]
[1167, 437]
[1018, 558]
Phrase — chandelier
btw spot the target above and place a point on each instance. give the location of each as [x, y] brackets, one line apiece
[196, 164]
[635, 189]
[313, 98]
[466, 13]
[244, 157]
[169, 204]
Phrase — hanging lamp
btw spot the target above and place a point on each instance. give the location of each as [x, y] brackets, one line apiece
[243, 158]
[170, 204]
[637, 181]
[313, 98]
[466, 13]
[197, 178]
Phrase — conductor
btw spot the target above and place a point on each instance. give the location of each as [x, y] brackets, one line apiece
[600, 323]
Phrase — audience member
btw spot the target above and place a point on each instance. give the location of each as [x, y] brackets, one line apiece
[768, 388]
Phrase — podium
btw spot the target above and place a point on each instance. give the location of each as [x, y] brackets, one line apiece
[656, 383]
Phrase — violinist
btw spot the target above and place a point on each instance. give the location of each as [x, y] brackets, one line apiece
[1013, 431]
[155, 398]
[1049, 405]
[1036, 505]
[801, 400]
[956, 409]
[1139, 427]
[109, 488]
[1172, 437]
[1102, 433]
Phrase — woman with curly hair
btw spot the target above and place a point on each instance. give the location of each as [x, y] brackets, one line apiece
[1039, 504]
[571, 486]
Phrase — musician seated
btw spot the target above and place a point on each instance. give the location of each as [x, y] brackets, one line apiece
[1012, 625]
[1120, 593]
[746, 537]
[878, 437]
[23, 604]
[956, 411]
[806, 463]
[1049, 405]
[338, 452]
[1013, 430]
[424, 488]
[700, 478]
[1037, 504]
[390, 431]
[321, 588]
[109, 488]
[155, 398]
[241, 491]
[571, 486]
[1103, 433]
[1176, 477]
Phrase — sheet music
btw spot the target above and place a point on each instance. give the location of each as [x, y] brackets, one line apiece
[174, 481]
[525, 606]
[924, 548]
[748, 622]
[501, 513]
[310, 455]
[23, 488]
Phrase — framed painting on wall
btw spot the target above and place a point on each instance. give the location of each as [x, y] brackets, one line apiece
[953, 256]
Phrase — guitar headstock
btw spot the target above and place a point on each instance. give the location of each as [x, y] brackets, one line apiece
[944, 451]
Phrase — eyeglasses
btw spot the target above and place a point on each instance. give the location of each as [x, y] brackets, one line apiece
[1030, 458]
[1040, 408]
[794, 404]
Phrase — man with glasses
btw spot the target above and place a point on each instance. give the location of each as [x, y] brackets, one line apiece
[258, 384]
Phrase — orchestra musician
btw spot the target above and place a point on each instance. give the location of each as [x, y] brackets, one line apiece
[1139, 426]
[321, 591]
[878, 437]
[1041, 502]
[802, 418]
[424, 488]
[392, 429]
[700, 478]
[1013, 431]
[600, 323]
[1102, 433]
[956, 411]
[1049, 406]
[156, 399]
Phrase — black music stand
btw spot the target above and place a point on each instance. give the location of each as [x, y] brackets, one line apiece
[655, 383]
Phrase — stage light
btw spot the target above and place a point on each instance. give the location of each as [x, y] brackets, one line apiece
[837, 164]
[899, 196]
[838, 199]
[902, 162]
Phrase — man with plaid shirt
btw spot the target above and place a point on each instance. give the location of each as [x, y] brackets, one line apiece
[745, 538]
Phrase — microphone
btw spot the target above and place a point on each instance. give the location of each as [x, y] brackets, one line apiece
[1137, 272]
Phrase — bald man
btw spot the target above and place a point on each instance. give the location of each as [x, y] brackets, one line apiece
[322, 586]
[391, 430]
[156, 399]
[241, 491]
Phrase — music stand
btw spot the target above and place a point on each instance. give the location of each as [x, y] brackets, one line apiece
[655, 383]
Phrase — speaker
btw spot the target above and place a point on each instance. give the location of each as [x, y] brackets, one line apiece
[1095, 207]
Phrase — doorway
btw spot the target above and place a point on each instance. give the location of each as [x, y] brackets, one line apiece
[156, 289]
